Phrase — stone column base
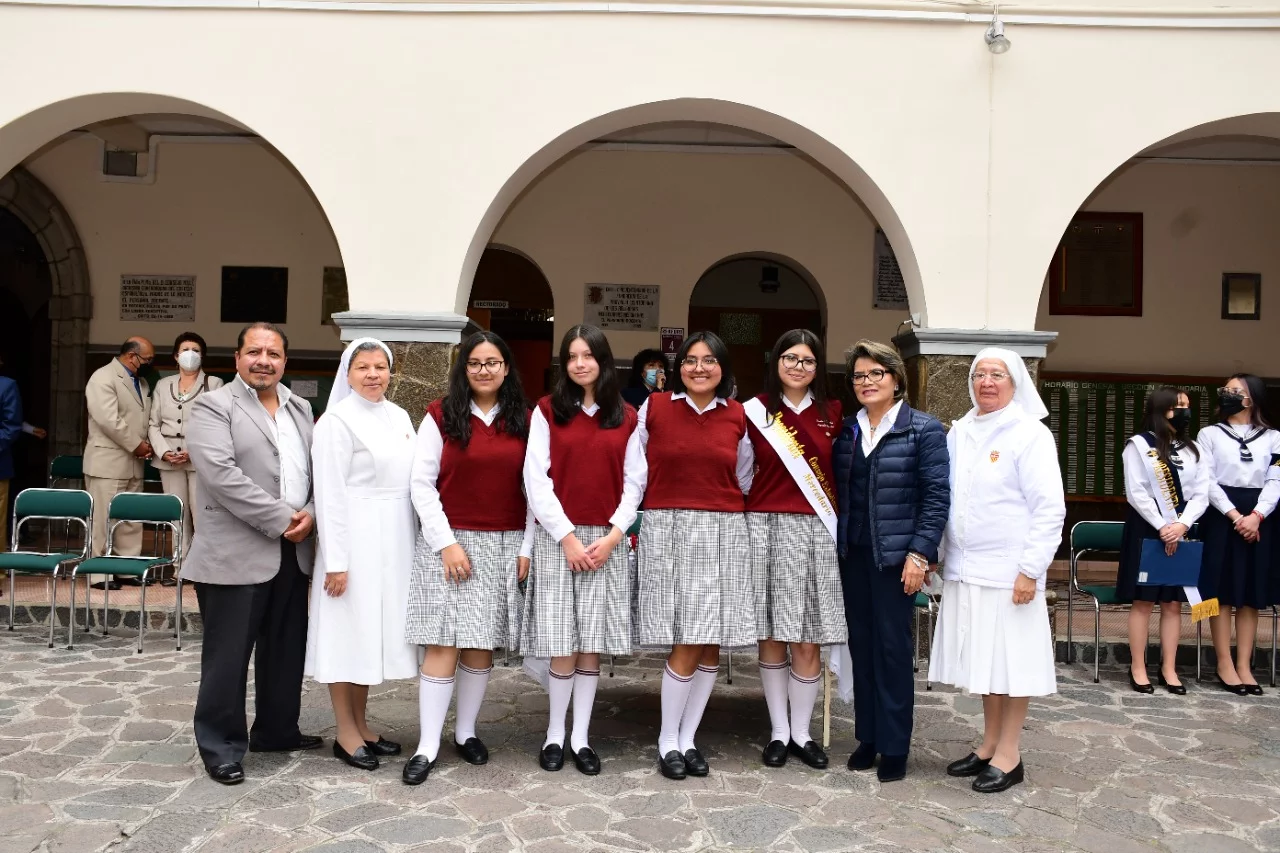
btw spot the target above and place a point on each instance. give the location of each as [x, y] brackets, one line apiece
[938, 363]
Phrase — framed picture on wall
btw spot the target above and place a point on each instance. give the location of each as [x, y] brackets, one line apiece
[1241, 296]
[1097, 269]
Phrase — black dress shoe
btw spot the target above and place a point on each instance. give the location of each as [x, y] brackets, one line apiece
[863, 758]
[551, 757]
[586, 760]
[382, 746]
[303, 742]
[775, 754]
[694, 763]
[1175, 689]
[993, 780]
[111, 585]
[361, 759]
[810, 753]
[227, 774]
[1140, 688]
[416, 770]
[1253, 689]
[473, 751]
[1238, 689]
[970, 765]
[892, 768]
[672, 765]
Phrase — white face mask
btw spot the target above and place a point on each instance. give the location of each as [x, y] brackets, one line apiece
[189, 360]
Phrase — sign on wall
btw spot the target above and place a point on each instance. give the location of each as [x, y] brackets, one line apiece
[888, 288]
[672, 337]
[626, 307]
[157, 298]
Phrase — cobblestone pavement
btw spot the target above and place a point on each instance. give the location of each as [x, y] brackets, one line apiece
[96, 752]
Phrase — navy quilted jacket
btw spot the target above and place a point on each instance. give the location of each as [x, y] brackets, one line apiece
[909, 483]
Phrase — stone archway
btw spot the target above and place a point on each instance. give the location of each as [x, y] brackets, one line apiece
[70, 306]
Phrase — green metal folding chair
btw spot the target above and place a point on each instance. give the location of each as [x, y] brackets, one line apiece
[163, 512]
[1092, 537]
[633, 530]
[65, 469]
[927, 604]
[65, 505]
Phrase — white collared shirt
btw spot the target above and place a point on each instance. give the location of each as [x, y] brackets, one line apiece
[426, 498]
[295, 461]
[805, 403]
[871, 438]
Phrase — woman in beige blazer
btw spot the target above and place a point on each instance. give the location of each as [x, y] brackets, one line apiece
[174, 396]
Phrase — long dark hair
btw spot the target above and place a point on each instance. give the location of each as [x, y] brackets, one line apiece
[645, 356]
[513, 416]
[1257, 399]
[1155, 422]
[566, 399]
[721, 353]
[773, 382]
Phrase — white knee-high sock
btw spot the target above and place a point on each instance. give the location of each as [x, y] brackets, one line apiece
[472, 684]
[802, 693]
[585, 682]
[434, 696]
[774, 678]
[559, 691]
[675, 695]
[703, 681]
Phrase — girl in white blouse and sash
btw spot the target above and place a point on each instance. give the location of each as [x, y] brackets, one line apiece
[362, 458]
[1007, 512]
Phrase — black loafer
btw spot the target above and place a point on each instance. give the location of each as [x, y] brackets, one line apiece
[473, 751]
[775, 754]
[993, 780]
[227, 774]
[585, 760]
[303, 742]
[417, 770]
[694, 763]
[863, 758]
[382, 746]
[551, 757]
[361, 759]
[810, 754]
[970, 765]
[672, 765]
[892, 768]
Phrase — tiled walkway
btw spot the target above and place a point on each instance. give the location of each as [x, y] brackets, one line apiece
[96, 753]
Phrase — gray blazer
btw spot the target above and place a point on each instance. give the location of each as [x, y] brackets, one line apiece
[238, 512]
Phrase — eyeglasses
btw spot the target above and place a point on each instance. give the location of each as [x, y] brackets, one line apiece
[707, 362]
[997, 376]
[493, 365]
[871, 377]
[791, 362]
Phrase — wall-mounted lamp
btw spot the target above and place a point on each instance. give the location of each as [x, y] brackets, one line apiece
[997, 41]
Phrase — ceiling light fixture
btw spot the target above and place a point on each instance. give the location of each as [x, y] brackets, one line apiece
[997, 41]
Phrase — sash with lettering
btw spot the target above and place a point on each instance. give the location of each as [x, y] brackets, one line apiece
[1166, 486]
[785, 441]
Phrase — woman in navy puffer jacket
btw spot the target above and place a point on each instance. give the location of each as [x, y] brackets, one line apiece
[892, 475]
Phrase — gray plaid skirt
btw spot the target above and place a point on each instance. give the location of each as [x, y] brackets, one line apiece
[797, 579]
[482, 612]
[567, 611]
[694, 576]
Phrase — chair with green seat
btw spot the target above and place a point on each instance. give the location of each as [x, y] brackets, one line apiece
[65, 505]
[1092, 537]
[65, 469]
[924, 602]
[162, 512]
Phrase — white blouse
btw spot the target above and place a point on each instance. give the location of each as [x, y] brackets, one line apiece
[871, 438]
[1138, 490]
[541, 490]
[1222, 459]
[422, 485]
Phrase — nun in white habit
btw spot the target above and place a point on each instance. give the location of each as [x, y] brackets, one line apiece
[1007, 511]
[362, 456]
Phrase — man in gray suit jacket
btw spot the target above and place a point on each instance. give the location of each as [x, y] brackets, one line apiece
[251, 442]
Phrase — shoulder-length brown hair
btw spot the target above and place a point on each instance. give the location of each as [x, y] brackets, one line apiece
[886, 355]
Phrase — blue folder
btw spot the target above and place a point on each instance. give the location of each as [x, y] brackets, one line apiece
[1158, 569]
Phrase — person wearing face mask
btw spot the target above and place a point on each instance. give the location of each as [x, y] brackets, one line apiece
[173, 398]
[648, 375]
[1240, 452]
[1161, 453]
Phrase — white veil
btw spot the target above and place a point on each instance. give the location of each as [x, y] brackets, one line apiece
[1024, 390]
[341, 387]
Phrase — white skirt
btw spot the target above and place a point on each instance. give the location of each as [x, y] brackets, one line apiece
[986, 644]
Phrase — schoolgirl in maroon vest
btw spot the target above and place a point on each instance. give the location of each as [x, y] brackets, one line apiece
[791, 515]
[692, 461]
[474, 545]
[578, 603]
